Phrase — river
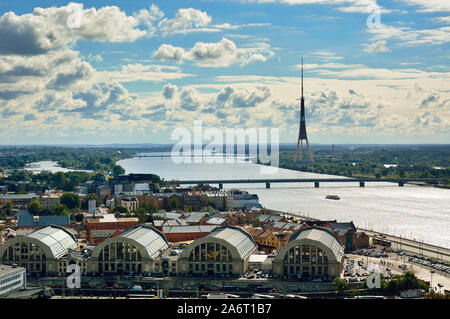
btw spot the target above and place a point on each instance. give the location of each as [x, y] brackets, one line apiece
[415, 212]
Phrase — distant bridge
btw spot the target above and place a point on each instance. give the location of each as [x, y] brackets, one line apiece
[316, 181]
[196, 156]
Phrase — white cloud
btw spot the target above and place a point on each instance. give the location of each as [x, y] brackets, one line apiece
[169, 91]
[430, 5]
[167, 52]
[149, 17]
[47, 29]
[411, 37]
[215, 54]
[379, 46]
[186, 20]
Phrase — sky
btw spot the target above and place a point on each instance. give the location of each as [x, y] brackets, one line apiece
[101, 72]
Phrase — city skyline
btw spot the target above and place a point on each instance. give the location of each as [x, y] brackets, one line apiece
[131, 73]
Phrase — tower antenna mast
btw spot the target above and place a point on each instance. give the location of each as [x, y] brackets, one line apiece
[302, 130]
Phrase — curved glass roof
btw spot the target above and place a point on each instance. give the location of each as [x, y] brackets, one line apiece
[152, 239]
[321, 235]
[57, 239]
[236, 237]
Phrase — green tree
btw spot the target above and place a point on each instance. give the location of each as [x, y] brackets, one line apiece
[35, 208]
[141, 214]
[121, 210]
[61, 210]
[85, 203]
[71, 200]
[173, 204]
[8, 208]
[79, 217]
[118, 170]
[256, 223]
[341, 285]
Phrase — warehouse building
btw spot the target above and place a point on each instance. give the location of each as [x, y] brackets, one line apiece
[134, 250]
[40, 251]
[310, 253]
[185, 233]
[226, 250]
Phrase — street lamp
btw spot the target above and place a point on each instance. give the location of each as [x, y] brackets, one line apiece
[431, 279]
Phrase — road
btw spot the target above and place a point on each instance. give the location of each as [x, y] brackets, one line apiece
[415, 247]
[393, 261]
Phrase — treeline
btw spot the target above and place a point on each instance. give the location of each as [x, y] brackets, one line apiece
[95, 159]
[46, 180]
[370, 163]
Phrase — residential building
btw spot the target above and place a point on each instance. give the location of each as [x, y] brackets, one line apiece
[20, 201]
[130, 203]
[48, 202]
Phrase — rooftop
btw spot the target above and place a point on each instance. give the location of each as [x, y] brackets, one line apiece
[322, 235]
[6, 270]
[152, 239]
[58, 240]
[236, 237]
[189, 229]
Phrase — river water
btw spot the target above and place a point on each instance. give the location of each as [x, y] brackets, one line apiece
[421, 213]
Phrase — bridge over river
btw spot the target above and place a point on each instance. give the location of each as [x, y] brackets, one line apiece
[362, 181]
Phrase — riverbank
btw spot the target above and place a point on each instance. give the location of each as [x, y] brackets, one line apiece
[405, 244]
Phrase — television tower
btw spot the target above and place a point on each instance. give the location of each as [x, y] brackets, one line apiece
[302, 131]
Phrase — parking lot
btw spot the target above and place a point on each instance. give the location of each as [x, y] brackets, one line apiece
[392, 262]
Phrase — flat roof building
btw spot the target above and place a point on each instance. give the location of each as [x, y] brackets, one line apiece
[185, 233]
[12, 279]
[107, 223]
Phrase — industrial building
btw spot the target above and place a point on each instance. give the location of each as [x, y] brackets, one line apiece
[226, 250]
[41, 250]
[134, 250]
[310, 253]
[98, 229]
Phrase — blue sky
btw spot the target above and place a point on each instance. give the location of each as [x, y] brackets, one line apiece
[133, 72]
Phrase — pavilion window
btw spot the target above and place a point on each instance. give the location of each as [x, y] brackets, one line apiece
[313, 254]
[319, 256]
[120, 251]
[112, 251]
[106, 252]
[197, 253]
[224, 253]
[305, 254]
[297, 254]
[203, 252]
[218, 256]
[210, 251]
[291, 256]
